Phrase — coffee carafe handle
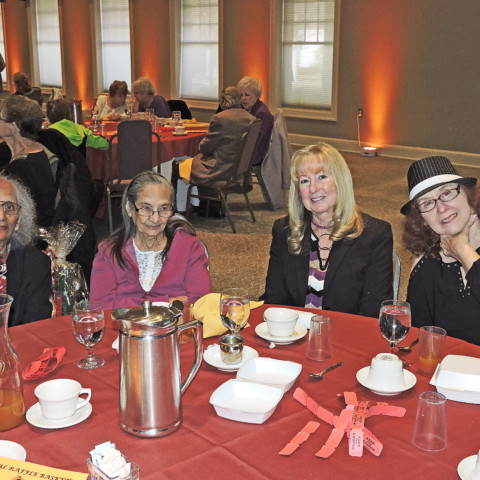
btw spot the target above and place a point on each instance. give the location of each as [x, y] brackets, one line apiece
[198, 337]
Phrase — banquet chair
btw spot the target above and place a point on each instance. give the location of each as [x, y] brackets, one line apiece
[239, 177]
[273, 174]
[134, 155]
[181, 106]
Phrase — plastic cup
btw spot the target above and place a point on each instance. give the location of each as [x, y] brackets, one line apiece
[320, 338]
[430, 432]
[431, 341]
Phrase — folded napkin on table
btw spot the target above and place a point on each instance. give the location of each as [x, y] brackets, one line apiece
[207, 310]
[45, 364]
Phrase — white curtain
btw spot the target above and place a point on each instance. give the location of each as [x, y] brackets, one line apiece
[48, 43]
[115, 41]
[199, 49]
[307, 53]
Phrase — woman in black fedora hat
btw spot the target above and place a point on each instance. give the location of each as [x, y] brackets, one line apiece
[442, 228]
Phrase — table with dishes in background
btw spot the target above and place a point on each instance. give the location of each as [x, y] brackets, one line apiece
[172, 144]
[210, 445]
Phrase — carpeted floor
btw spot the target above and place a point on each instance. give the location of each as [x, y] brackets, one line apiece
[241, 259]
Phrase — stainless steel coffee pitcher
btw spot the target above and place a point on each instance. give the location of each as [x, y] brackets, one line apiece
[150, 379]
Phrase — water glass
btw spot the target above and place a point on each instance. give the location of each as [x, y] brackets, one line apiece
[320, 338]
[88, 329]
[431, 341]
[176, 117]
[430, 432]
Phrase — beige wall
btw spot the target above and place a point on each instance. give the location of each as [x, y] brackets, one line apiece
[413, 65]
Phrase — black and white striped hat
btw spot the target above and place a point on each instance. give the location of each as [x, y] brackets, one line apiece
[429, 173]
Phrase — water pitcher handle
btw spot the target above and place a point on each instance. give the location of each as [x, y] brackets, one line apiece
[198, 337]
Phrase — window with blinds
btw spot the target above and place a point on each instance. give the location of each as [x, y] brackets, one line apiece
[2, 48]
[46, 39]
[198, 76]
[113, 28]
[307, 53]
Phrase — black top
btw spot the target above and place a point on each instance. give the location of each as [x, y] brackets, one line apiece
[359, 274]
[29, 282]
[35, 173]
[438, 297]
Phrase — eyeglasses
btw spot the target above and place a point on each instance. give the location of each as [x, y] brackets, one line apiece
[10, 208]
[164, 211]
[445, 196]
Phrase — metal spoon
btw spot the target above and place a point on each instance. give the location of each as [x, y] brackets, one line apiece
[409, 347]
[319, 376]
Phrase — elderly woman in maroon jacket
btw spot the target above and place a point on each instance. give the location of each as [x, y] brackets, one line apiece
[154, 255]
[251, 91]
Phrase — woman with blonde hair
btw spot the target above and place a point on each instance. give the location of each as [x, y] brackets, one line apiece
[326, 253]
[251, 90]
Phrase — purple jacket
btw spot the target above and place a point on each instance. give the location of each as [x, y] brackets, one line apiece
[261, 111]
[160, 107]
[185, 272]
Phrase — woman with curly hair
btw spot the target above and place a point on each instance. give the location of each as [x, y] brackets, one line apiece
[154, 255]
[442, 229]
[25, 271]
[327, 254]
[116, 102]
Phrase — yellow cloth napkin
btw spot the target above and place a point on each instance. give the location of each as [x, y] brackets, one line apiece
[185, 169]
[207, 310]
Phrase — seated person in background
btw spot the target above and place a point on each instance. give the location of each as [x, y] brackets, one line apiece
[442, 228]
[153, 255]
[20, 121]
[115, 103]
[144, 92]
[23, 87]
[327, 254]
[59, 116]
[251, 91]
[221, 145]
[25, 271]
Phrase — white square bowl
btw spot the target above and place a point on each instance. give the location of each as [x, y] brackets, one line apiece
[458, 378]
[245, 401]
[269, 371]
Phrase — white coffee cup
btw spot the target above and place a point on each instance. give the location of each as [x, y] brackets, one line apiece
[59, 398]
[386, 372]
[179, 130]
[280, 321]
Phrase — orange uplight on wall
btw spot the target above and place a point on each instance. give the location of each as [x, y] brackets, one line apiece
[382, 61]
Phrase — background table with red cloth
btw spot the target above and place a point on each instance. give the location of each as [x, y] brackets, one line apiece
[170, 146]
[208, 446]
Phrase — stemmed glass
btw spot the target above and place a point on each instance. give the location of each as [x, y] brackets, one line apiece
[234, 309]
[88, 329]
[395, 321]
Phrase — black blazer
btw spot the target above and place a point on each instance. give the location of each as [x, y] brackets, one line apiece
[359, 275]
[29, 282]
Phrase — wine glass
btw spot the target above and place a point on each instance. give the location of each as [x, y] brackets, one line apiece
[88, 329]
[395, 321]
[234, 309]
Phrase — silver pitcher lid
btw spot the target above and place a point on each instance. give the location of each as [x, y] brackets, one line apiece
[150, 315]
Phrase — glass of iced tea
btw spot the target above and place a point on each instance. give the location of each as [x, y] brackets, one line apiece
[431, 341]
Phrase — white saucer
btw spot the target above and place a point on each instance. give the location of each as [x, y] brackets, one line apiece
[466, 466]
[262, 331]
[213, 357]
[12, 450]
[35, 417]
[410, 381]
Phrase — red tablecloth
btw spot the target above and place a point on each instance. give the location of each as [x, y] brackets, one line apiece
[207, 446]
[170, 146]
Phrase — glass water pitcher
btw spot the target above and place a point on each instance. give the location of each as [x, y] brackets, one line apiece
[12, 406]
